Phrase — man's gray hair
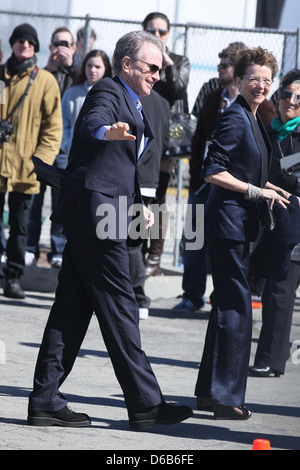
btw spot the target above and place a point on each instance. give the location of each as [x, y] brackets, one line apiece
[131, 45]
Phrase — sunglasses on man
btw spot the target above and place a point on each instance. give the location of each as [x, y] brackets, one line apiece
[152, 67]
[22, 41]
[224, 66]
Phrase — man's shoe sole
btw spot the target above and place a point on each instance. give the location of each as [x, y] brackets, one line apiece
[44, 421]
[149, 423]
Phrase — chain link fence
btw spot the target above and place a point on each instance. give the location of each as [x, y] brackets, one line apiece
[200, 43]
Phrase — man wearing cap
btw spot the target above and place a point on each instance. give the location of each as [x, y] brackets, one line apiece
[32, 106]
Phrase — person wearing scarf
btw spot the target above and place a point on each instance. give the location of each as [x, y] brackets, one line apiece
[278, 297]
[37, 131]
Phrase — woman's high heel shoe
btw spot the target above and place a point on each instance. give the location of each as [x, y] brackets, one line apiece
[231, 412]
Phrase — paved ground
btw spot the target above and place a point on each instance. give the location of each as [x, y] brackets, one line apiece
[173, 344]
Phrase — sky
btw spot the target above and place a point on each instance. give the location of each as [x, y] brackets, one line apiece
[178, 11]
[237, 13]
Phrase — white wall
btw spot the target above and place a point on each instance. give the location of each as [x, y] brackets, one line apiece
[238, 13]
[290, 18]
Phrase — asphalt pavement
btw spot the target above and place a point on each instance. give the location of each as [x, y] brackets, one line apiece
[173, 343]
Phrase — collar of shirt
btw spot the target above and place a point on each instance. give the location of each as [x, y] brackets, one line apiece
[226, 98]
[135, 98]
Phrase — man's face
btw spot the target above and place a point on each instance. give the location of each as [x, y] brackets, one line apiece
[225, 69]
[23, 49]
[62, 52]
[139, 74]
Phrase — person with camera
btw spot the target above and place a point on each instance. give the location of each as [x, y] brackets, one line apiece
[31, 125]
[61, 58]
[61, 65]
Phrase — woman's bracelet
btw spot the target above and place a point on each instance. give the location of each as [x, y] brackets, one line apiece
[253, 193]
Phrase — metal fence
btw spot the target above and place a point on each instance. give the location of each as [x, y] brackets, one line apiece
[200, 43]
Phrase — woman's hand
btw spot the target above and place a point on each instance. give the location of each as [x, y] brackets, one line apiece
[274, 196]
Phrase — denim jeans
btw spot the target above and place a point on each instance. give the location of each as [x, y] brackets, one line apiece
[57, 238]
[195, 261]
[19, 206]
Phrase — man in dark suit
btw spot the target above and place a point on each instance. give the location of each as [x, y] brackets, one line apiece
[157, 110]
[97, 191]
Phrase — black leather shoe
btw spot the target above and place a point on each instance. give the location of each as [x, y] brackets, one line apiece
[263, 372]
[152, 266]
[65, 417]
[13, 289]
[161, 414]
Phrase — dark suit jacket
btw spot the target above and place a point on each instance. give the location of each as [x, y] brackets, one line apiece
[236, 148]
[102, 173]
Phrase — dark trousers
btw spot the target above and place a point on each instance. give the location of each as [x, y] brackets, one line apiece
[278, 299]
[225, 360]
[94, 277]
[138, 276]
[19, 205]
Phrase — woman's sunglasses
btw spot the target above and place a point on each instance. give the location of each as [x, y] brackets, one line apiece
[161, 32]
[288, 95]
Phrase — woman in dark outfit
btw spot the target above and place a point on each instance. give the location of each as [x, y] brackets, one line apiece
[237, 167]
[278, 298]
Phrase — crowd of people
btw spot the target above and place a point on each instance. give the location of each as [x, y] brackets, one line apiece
[102, 129]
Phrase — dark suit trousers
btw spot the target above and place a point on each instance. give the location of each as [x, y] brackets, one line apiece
[278, 301]
[224, 365]
[94, 278]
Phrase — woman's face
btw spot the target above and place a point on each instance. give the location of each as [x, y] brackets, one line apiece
[159, 28]
[94, 70]
[289, 102]
[255, 84]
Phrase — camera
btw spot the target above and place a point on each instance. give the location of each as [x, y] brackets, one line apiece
[61, 43]
[6, 129]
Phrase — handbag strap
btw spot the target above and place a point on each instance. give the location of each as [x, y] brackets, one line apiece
[21, 101]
